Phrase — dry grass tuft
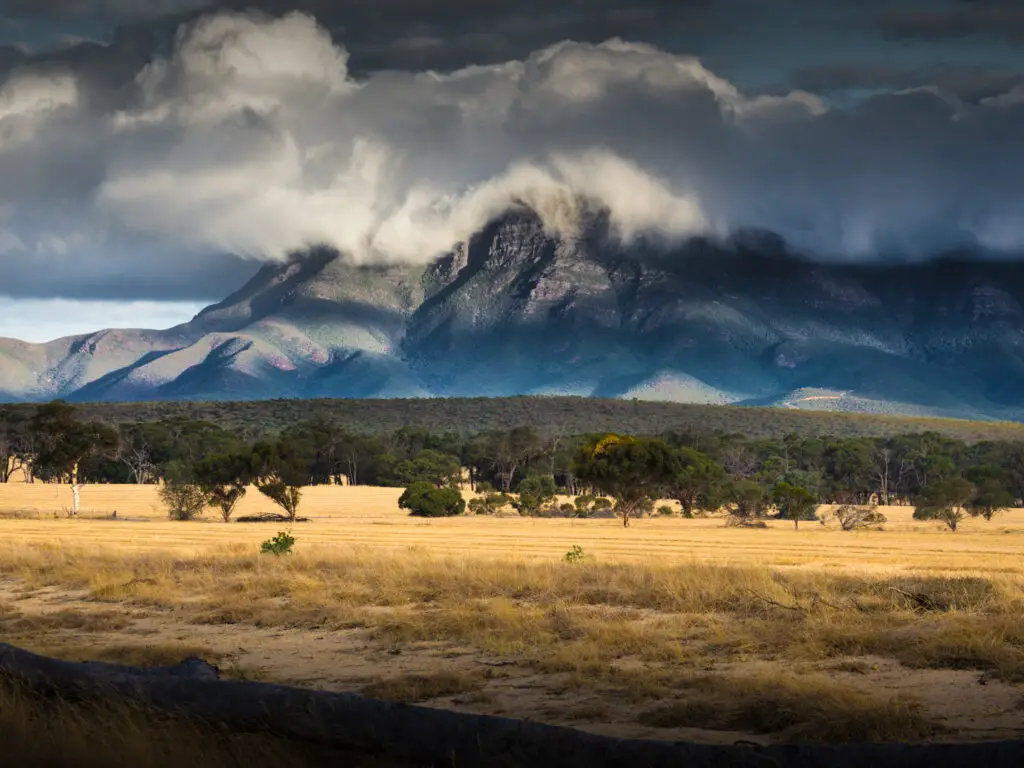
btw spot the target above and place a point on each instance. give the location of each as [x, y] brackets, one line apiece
[424, 687]
[134, 655]
[20, 514]
[802, 707]
[102, 621]
[566, 617]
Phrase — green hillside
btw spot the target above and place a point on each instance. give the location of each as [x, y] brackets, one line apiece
[549, 415]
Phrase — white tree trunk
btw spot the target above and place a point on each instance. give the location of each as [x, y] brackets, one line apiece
[76, 490]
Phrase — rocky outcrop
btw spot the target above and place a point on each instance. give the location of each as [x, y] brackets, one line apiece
[517, 311]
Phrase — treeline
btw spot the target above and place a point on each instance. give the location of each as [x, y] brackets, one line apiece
[551, 416]
[521, 467]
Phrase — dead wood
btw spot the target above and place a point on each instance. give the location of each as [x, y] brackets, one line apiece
[270, 517]
[922, 601]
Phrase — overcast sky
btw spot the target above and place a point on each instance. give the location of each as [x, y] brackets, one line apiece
[153, 155]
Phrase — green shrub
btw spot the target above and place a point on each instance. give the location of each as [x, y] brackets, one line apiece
[534, 492]
[184, 500]
[426, 500]
[574, 555]
[490, 504]
[279, 545]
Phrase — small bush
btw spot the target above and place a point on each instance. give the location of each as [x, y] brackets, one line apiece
[850, 518]
[279, 545]
[489, 504]
[426, 500]
[666, 511]
[574, 555]
[184, 500]
[733, 521]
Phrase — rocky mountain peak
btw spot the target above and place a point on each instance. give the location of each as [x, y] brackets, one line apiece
[517, 309]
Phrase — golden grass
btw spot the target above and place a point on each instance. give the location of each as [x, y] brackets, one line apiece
[423, 687]
[45, 499]
[906, 545]
[808, 708]
[566, 617]
[670, 614]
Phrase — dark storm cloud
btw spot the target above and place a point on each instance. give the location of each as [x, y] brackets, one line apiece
[127, 165]
[998, 19]
[971, 84]
[417, 35]
[112, 10]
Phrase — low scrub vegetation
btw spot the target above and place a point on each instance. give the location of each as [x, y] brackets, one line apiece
[571, 615]
[805, 708]
[413, 688]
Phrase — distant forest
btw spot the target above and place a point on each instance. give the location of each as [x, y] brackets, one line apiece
[549, 416]
[527, 465]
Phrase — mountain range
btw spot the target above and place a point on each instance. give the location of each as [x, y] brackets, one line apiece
[516, 310]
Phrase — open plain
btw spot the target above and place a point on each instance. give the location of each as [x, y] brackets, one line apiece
[671, 628]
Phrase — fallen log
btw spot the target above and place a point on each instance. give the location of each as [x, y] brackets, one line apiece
[437, 737]
[32, 668]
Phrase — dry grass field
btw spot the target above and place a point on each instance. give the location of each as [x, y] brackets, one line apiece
[672, 628]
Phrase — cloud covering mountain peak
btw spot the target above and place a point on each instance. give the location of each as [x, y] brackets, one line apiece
[249, 135]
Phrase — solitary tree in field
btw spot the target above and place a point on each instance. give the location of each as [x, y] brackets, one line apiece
[794, 503]
[632, 470]
[991, 491]
[224, 479]
[944, 500]
[63, 444]
[279, 471]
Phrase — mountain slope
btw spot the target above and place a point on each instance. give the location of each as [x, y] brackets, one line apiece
[516, 311]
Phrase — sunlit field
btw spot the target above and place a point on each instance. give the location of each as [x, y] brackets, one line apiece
[367, 517]
[671, 628]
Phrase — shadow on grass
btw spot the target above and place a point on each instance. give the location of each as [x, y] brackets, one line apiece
[105, 734]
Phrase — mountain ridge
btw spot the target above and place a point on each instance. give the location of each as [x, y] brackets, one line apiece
[515, 310]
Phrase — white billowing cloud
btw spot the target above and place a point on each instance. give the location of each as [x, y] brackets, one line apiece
[27, 100]
[30, 95]
[226, 64]
[252, 137]
[278, 148]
